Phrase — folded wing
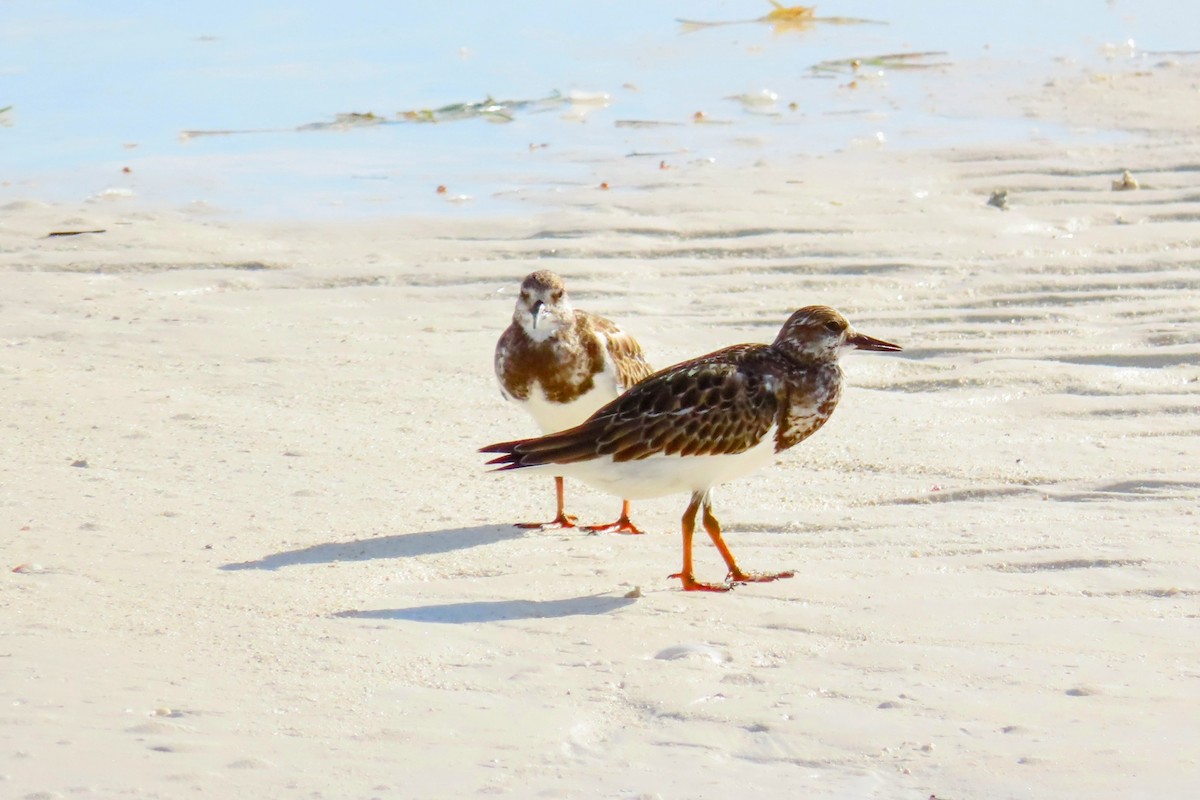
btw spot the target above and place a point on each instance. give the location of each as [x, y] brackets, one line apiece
[707, 406]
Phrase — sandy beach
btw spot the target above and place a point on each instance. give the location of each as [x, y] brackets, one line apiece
[251, 550]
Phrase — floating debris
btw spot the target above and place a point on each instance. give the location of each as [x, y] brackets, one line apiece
[999, 199]
[1119, 50]
[185, 136]
[762, 102]
[782, 19]
[583, 104]
[599, 99]
[1127, 182]
[488, 109]
[763, 97]
[886, 61]
[343, 122]
[655, 154]
[644, 123]
[700, 118]
[1171, 53]
[782, 13]
[457, 111]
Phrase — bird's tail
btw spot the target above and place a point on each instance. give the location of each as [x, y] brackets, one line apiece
[508, 458]
[564, 447]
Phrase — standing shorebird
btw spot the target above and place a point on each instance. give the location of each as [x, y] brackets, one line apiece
[561, 364]
[706, 421]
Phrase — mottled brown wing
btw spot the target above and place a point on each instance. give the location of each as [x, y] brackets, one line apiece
[505, 362]
[624, 351]
[722, 403]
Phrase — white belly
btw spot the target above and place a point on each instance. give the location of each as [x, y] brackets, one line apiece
[555, 417]
[660, 475]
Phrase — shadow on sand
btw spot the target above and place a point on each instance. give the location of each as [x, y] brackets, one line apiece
[498, 610]
[404, 545]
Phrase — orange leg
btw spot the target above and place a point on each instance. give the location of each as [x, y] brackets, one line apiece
[687, 575]
[562, 520]
[623, 525]
[735, 572]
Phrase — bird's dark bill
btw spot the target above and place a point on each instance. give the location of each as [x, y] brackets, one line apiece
[864, 342]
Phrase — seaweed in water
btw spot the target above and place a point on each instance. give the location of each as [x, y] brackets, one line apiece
[487, 109]
[782, 19]
[888, 61]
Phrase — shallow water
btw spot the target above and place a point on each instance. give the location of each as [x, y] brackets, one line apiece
[96, 89]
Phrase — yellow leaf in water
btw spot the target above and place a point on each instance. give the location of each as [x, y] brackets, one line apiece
[783, 13]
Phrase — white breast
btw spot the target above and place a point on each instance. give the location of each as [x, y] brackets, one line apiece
[553, 417]
[662, 475]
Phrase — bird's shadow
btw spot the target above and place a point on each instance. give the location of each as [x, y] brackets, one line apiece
[402, 545]
[497, 610]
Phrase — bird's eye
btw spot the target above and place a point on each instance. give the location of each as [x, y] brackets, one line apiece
[833, 326]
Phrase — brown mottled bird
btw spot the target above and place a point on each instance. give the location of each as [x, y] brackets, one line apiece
[561, 364]
[706, 421]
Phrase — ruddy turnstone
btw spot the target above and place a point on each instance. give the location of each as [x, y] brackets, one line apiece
[561, 364]
[706, 421]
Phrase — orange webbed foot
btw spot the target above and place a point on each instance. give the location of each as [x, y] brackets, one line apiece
[690, 584]
[559, 522]
[623, 525]
[758, 577]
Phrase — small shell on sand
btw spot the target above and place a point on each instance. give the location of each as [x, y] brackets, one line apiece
[1126, 183]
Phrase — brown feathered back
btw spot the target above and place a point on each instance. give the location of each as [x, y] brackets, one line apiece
[721, 403]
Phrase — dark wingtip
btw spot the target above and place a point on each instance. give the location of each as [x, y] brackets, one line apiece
[508, 458]
[501, 447]
[506, 462]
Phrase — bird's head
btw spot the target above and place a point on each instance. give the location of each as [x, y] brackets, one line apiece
[543, 307]
[819, 333]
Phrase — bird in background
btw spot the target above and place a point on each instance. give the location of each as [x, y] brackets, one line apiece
[700, 423]
[561, 364]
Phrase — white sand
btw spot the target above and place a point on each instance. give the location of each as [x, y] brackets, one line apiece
[260, 557]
